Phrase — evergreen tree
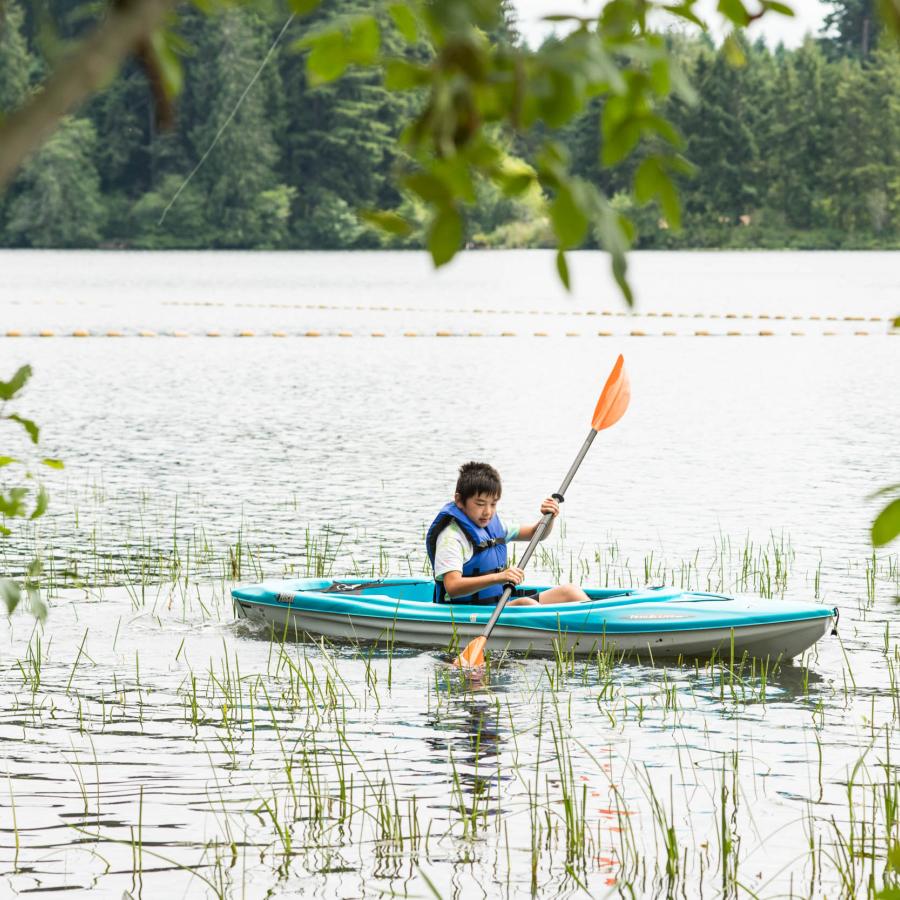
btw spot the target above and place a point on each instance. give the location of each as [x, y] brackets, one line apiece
[241, 168]
[862, 170]
[16, 68]
[59, 202]
[855, 24]
[721, 143]
[800, 139]
[341, 147]
[16, 63]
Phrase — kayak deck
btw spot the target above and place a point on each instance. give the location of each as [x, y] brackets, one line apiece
[663, 622]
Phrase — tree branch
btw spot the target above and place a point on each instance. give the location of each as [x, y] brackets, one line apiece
[91, 67]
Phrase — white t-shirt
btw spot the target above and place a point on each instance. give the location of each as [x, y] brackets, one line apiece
[454, 549]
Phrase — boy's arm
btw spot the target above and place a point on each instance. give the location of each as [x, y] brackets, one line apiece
[526, 532]
[458, 585]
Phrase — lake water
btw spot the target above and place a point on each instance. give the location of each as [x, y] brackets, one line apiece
[153, 744]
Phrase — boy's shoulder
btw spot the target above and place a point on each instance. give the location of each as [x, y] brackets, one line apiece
[453, 530]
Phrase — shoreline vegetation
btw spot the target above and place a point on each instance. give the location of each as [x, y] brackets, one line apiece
[792, 149]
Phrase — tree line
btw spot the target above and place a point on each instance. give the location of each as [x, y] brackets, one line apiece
[788, 148]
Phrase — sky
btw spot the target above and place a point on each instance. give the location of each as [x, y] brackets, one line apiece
[774, 28]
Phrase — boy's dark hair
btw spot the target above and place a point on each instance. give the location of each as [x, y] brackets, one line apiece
[478, 478]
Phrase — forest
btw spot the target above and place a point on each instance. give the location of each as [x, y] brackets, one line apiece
[783, 147]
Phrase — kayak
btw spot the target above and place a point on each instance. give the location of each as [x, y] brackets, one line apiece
[656, 622]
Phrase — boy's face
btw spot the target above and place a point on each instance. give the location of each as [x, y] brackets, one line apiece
[480, 508]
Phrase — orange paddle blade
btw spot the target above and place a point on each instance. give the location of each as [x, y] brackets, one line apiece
[614, 400]
[473, 656]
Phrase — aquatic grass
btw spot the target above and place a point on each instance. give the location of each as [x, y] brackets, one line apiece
[302, 783]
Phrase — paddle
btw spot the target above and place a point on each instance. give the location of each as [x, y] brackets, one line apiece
[610, 408]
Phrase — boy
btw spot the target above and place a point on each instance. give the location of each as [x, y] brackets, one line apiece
[466, 544]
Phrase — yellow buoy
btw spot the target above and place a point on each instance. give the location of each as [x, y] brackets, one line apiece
[13, 332]
[146, 334]
[80, 332]
[313, 334]
[113, 333]
[345, 334]
[47, 333]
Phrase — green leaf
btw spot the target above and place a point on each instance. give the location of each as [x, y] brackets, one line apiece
[735, 11]
[405, 21]
[430, 188]
[303, 7]
[387, 221]
[169, 63]
[780, 8]
[886, 525]
[327, 59]
[563, 268]
[734, 53]
[40, 506]
[647, 179]
[685, 11]
[37, 604]
[28, 425]
[7, 460]
[620, 273]
[570, 224]
[364, 42]
[445, 236]
[896, 322]
[10, 593]
[402, 75]
[35, 568]
[53, 463]
[12, 504]
[8, 389]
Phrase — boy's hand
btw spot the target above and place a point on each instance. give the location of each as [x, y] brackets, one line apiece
[550, 506]
[512, 575]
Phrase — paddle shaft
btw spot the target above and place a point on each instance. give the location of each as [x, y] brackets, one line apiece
[539, 533]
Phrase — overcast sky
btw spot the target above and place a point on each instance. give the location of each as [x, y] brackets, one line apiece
[808, 18]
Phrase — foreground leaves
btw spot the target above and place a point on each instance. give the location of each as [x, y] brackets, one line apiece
[21, 497]
[482, 96]
[886, 526]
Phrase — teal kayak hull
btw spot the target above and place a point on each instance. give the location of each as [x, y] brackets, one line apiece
[655, 622]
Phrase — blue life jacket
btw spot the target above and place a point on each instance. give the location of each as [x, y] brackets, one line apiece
[490, 553]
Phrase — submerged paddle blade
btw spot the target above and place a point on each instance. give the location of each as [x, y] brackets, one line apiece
[614, 400]
[473, 656]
